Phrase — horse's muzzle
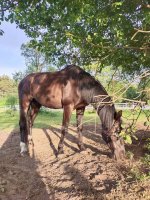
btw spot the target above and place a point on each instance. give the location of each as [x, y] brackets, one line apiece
[117, 147]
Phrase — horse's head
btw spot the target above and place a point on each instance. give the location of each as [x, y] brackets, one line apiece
[112, 138]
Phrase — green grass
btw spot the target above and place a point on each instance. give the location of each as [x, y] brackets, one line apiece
[128, 115]
[9, 120]
[46, 119]
[3, 101]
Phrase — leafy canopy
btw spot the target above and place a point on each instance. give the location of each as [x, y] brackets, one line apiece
[115, 33]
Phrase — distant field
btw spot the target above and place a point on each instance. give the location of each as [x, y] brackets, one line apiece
[10, 119]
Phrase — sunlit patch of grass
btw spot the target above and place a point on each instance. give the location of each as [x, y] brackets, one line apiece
[10, 120]
[46, 119]
[51, 118]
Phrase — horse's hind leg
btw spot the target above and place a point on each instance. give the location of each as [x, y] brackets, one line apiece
[66, 118]
[24, 128]
[79, 117]
[32, 113]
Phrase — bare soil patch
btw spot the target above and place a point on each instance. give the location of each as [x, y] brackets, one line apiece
[87, 175]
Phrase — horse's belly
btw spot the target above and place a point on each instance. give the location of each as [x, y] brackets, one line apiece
[56, 104]
[52, 105]
[50, 102]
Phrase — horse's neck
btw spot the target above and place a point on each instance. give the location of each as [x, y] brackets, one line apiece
[103, 105]
[107, 116]
[99, 94]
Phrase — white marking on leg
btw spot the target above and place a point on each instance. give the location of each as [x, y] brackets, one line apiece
[23, 147]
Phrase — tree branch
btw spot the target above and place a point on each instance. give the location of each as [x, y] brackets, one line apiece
[139, 31]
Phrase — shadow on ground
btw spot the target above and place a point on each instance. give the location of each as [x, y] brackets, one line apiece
[75, 175]
[19, 178]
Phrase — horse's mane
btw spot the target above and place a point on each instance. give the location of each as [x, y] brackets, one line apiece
[74, 71]
[86, 80]
[77, 73]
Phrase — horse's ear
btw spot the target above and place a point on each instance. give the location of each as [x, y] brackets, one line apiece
[118, 115]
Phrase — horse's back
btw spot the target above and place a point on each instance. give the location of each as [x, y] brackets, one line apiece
[43, 79]
[51, 89]
[69, 85]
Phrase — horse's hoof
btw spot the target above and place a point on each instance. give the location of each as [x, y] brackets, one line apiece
[60, 151]
[82, 147]
[25, 153]
[119, 156]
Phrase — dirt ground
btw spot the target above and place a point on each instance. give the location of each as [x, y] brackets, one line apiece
[87, 175]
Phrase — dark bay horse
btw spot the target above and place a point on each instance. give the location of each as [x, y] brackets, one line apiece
[71, 88]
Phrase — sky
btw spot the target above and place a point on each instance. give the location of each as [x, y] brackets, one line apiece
[10, 53]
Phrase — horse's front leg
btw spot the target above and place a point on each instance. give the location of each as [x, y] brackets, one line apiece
[79, 117]
[66, 118]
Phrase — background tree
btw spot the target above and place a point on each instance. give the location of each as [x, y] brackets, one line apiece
[132, 93]
[35, 62]
[7, 86]
[18, 76]
[12, 101]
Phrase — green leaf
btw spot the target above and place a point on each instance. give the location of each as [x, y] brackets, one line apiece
[128, 139]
